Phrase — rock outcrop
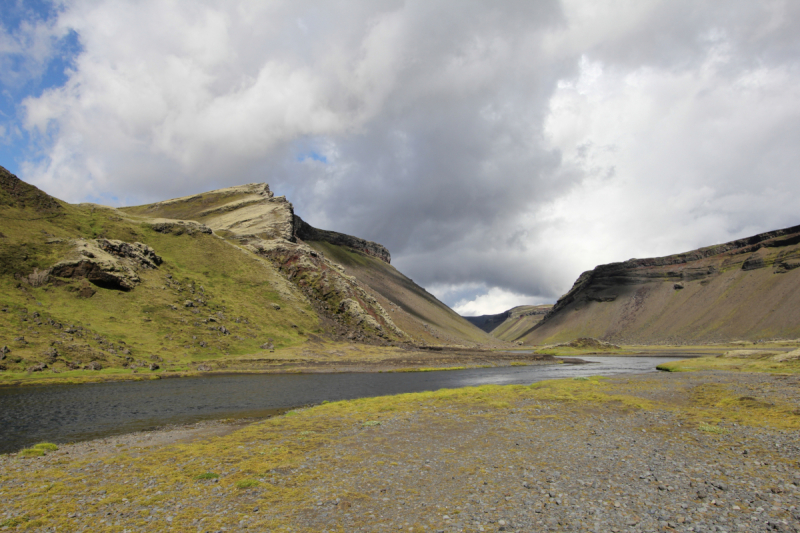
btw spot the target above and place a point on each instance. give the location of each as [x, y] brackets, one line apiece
[745, 289]
[332, 292]
[265, 224]
[107, 263]
[306, 232]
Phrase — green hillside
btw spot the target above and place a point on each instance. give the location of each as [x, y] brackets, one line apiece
[92, 287]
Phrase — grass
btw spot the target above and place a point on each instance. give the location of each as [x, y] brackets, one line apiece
[207, 475]
[713, 429]
[238, 290]
[247, 484]
[32, 452]
[731, 364]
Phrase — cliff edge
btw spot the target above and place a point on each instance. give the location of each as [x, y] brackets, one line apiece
[745, 289]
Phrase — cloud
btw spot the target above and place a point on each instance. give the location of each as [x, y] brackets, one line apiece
[498, 150]
[494, 301]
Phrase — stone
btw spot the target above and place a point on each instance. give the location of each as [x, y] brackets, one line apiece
[154, 366]
[94, 365]
[204, 368]
[37, 367]
[107, 263]
[86, 292]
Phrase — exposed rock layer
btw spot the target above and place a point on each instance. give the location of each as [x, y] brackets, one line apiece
[107, 263]
[266, 225]
[744, 289]
[306, 232]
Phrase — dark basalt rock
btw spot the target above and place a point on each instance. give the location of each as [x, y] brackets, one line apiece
[607, 282]
[306, 232]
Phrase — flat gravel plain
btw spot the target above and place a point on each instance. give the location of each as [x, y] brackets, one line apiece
[669, 464]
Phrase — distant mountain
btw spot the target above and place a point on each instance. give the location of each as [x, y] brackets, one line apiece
[748, 289]
[512, 324]
[206, 277]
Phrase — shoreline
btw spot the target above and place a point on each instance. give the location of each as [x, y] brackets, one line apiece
[642, 452]
[425, 362]
[423, 359]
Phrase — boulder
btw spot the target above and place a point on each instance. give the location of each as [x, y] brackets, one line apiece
[107, 263]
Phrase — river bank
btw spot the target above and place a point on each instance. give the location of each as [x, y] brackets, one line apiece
[308, 360]
[690, 451]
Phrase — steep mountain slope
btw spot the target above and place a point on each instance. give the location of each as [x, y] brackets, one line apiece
[330, 267]
[487, 322]
[747, 289]
[89, 285]
[519, 321]
[413, 309]
[202, 278]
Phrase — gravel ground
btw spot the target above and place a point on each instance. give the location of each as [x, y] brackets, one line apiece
[533, 465]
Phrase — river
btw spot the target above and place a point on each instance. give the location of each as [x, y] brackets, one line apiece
[71, 413]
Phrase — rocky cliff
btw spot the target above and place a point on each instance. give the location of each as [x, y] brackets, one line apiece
[204, 280]
[265, 224]
[306, 232]
[745, 289]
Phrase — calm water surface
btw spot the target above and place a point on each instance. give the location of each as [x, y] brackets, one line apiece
[68, 413]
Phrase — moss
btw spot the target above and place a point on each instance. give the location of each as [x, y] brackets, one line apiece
[732, 364]
[247, 484]
[31, 452]
[46, 446]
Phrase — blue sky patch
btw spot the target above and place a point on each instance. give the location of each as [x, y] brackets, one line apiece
[23, 75]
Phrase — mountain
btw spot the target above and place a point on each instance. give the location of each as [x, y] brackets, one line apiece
[746, 289]
[512, 324]
[206, 277]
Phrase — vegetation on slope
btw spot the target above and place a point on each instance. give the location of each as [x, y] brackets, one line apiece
[207, 300]
[412, 308]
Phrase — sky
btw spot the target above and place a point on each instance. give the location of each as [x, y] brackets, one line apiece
[498, 149]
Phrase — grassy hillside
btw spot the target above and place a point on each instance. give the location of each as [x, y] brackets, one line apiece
[57, 324]
[239, 301]
[412, 308]
[125, 290]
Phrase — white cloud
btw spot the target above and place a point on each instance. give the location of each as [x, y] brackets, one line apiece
[494, 302]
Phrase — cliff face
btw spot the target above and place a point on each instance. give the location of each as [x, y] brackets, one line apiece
[744, 289]
[306, 232]
[265, 224]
